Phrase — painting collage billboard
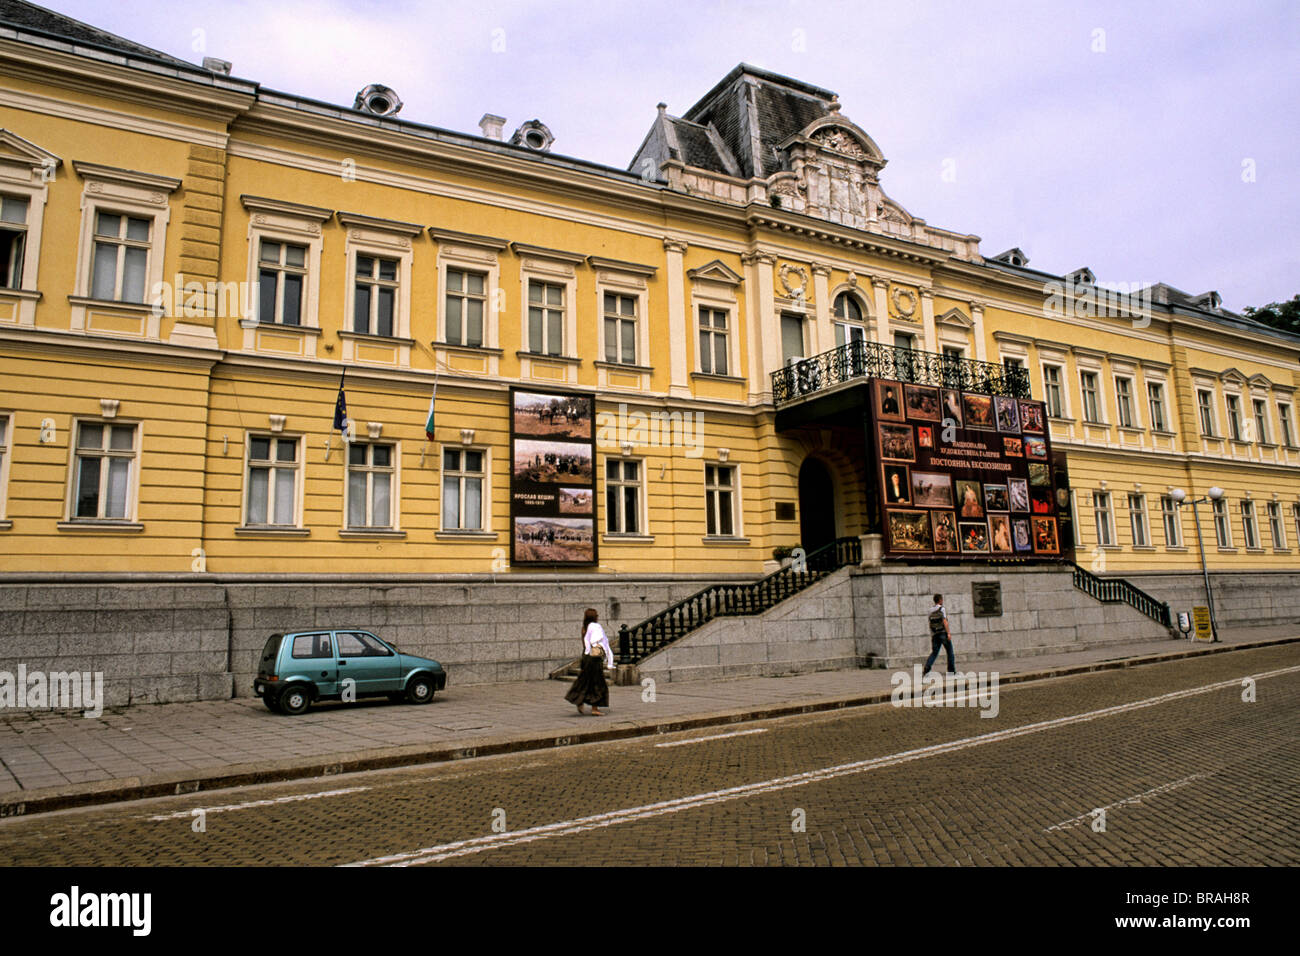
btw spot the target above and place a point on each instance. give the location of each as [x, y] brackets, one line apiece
[552, 478]
[963, 474]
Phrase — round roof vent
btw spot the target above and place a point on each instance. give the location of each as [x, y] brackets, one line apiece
[379, 100]
[534, 135]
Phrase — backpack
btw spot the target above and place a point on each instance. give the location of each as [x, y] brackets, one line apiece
[936, 622]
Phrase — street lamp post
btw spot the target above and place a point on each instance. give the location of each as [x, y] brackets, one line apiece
[1214, 494]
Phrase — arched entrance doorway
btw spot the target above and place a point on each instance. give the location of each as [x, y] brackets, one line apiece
[816, 506]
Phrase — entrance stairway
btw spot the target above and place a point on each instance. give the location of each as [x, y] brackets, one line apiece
[1119, 591]
[725, 600]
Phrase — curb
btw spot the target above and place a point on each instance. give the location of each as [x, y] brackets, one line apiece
[122, 789]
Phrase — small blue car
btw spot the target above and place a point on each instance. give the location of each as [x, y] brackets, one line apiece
[347, 664]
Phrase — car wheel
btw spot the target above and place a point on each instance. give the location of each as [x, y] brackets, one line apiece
[294, 700]
[268, 698]
[420, 689]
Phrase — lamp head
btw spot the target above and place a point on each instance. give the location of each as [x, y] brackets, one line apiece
[1178, 495]
[1215, 493]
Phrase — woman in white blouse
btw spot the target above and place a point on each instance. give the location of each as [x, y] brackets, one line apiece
[591, 686]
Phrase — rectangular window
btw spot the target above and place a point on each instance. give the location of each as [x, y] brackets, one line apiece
[719, 500]
[466, 305]
[622, 496]
[1276, 527]
[1102, 516]
[1173, 524]
[104, 462]
[1234, 417]
[620, 329]
[120, 260]
[1091, 400]
[545, 318]
[1156, 405]
[1249, 527]
[281, 278]
[713, 341]
[4, 450]
[1205, 405]
[1222, 529]
[1284, 419]
[371, 476]
[463, 478]
[791, 338]
[272, 481]
[1124, 401]
[952, 358]
[1137, 516]
[374, 295]
[1261, 421]
[905, 360]
[1295, 521]
[13, 240]
[1052, 391]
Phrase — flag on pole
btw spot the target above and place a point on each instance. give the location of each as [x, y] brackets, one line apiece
[428, 424]
[341, 405]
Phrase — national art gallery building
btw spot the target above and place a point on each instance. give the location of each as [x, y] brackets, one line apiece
[569, 385]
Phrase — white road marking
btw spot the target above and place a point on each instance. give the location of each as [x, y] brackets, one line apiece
[1127, 801]
[187, 814]
[700, 740]
[447, 851]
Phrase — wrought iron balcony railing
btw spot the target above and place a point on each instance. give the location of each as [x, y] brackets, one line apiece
[872, 360]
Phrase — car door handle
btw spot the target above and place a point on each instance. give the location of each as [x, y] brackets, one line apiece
[343, 663]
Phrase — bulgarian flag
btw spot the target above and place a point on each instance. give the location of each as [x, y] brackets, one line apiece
[428, 424]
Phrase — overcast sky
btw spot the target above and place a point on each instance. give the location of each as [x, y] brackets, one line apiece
[1151, 141]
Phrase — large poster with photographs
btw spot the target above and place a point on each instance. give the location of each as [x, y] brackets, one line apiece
[963, 475]
[552, 478]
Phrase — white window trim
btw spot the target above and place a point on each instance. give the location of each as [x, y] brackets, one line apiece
[118, 191]
[6, 456]
[298, 482]
[1197, 389]
[485, 498]
[26, 171]
[1102, 407]
[636, 287]
[721, 296]
[1145, 514]
[1177, 514]
[1062, 385]
[394, 491]
[463, 254]
[1240, 437]
[1109, 513]
[555, 268]
[292, 223]
[642, 510]
[1134, 404]
[1281, 524]
[1227, 524]
[1267, 438]
[1148, 379]
[737, 506]
[382, 239]
[1245, 506]
[133, 486]
[1286, 441]
[856, 295]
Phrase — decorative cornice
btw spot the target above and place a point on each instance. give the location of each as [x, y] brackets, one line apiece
[467, 239]
[540, 252]
[283, 208]
[383, 225]
[617, 265]
[128, 177]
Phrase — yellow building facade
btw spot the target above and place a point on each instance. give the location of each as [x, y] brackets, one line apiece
[194, 261]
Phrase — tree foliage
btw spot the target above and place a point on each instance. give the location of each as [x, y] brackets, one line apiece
[1280, 315]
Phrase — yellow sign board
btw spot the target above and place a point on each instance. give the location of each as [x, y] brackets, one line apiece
[1201, 619]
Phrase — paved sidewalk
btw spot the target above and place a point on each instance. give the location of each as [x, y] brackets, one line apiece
[51, 761]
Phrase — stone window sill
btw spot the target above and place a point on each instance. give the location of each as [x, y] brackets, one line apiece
[5, 525]
[31, 295]
[371, 533]
[279, 327]
[723, 539]
[627, 539]
[712, 377]
[273, 531]
[377, 339]
[625, 367]
[144, 308]
[465, 535]
[467, 349]
[543, 357]
[100, 526]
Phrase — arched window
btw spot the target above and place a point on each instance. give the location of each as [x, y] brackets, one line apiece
[850, 326]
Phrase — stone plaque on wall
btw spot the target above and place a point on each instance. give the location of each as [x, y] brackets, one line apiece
[986, 598]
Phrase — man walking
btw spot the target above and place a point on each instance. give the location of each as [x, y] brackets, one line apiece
[940, 635]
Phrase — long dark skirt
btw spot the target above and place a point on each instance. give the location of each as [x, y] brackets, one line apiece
[590, 687]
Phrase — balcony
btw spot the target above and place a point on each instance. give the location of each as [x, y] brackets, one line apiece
[867, 360]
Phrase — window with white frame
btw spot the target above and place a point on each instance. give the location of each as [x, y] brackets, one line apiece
[281, 282]
[1172, 521]
[1052, 391]
[1249, 526]
[715, 327]
[1234, 417]
[1137, 517]
[273, 470]
[104, 471]
[120, 261]
[1260, 408]
[4, 461]
[1103, 518]
[545, 317]
[952, 359]
[1284, 420]
[1222, 527]
[372, 479]
[13, 240]
[374, 303]
[1276, 526]
[466, 305]
[850, 323]
[623, 496]
[1205, 406]
[1091, 397]
[1124, 402]
[464, 475]
[1156, 406]
[792, 347]
[620, 328]
[720, 500]
[1295, 521]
